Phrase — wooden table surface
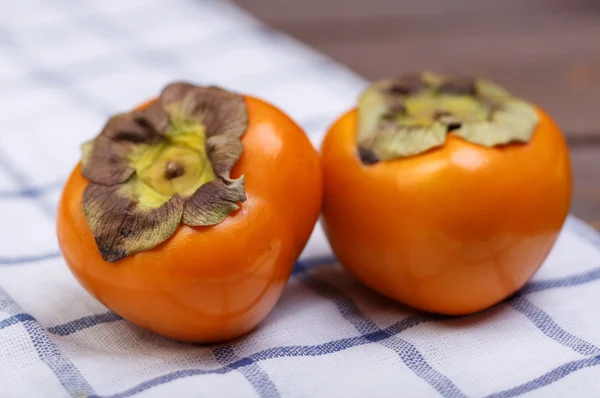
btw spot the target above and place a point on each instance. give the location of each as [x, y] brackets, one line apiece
[547, 51]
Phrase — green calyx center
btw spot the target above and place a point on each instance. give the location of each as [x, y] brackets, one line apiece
[176, 165]
[429, 107]
[414, 113]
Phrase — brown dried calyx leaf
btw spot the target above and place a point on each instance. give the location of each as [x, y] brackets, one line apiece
[414, 113]
[168, 163]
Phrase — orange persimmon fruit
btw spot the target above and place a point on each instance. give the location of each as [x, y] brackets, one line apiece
[215, 270]
[444, 194]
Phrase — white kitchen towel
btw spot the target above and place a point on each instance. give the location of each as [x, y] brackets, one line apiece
[66, 65]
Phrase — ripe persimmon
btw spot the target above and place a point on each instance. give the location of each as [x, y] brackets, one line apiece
[187, 214]
[445, 194]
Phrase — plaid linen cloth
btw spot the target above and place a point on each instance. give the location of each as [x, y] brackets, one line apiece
[66, 65]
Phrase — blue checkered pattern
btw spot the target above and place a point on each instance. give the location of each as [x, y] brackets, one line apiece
[66, 65]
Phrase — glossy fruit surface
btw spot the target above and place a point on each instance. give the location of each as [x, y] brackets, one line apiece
[214, 283]
[453, 230]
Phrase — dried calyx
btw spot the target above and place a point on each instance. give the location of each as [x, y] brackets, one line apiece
[415, 112]
[154, 168]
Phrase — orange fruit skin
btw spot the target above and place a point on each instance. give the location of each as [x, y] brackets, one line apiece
[216, 283]
[453, 230]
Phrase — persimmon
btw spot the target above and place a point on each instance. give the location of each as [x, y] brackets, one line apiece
[187, 214]
[445, 194]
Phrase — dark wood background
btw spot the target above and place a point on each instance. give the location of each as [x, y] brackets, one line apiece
[547, 51]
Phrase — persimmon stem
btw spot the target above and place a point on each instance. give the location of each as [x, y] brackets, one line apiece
[173, 170]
